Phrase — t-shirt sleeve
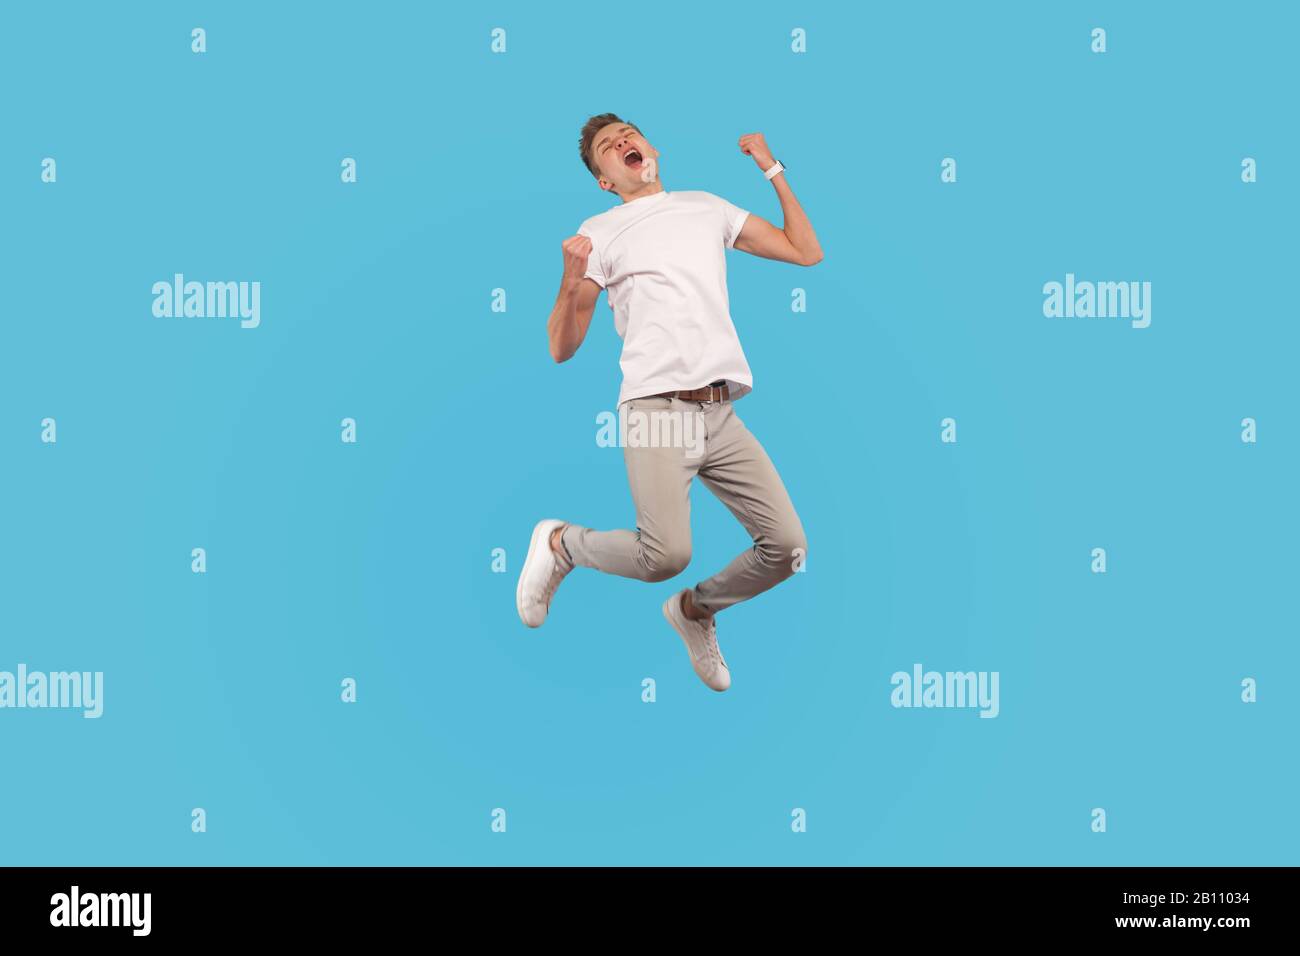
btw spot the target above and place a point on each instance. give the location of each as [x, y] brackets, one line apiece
[595, 268]
[733, 219]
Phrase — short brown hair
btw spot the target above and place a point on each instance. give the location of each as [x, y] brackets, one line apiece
[589, 131]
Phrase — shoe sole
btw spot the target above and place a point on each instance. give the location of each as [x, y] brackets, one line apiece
[519, 586]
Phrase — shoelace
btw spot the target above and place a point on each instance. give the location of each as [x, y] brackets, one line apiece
[557, 575]
[711, 644]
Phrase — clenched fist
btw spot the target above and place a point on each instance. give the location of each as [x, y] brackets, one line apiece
[576, 251]
[753, 144]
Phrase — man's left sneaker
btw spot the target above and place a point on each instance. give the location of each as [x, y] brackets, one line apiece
[701, 640]
[541, 574]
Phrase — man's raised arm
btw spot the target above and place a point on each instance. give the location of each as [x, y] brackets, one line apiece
[795, 242]
[570, 318]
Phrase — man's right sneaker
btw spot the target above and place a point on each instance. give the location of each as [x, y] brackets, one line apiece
[541, 574]
[701, 639]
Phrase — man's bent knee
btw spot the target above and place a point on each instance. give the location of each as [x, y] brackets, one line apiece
[785, 550]
[660, 564]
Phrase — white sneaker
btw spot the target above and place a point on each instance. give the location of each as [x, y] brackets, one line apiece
[541, 574]
[701, 638]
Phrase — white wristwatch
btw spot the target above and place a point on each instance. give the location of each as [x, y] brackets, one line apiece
[776, 168]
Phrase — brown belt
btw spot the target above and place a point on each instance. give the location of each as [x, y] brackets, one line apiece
[710, 393]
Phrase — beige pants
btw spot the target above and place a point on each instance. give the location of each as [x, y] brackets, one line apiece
[680, 440]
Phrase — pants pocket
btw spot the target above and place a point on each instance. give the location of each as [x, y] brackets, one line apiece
[650, 403]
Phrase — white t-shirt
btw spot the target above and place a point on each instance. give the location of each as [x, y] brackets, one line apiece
[661, 261]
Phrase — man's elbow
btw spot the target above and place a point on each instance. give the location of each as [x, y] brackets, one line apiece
[811, 260]
[559, 354]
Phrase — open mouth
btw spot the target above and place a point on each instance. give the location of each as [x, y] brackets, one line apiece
[632, 159]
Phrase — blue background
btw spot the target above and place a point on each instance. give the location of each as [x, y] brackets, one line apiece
[373, 560]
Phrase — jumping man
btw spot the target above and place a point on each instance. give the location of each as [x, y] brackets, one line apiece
[660, 257]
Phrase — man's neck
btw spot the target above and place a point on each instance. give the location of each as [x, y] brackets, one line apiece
[649, 189]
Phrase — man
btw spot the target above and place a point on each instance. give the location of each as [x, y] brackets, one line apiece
[660, 256]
